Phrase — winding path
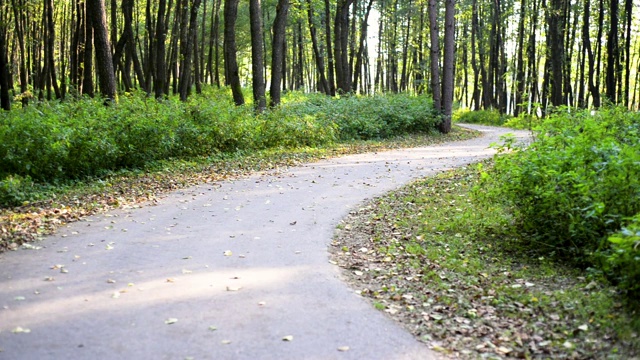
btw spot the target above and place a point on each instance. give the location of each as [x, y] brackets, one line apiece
[248, 257]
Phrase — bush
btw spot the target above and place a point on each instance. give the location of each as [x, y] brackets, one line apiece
[622, 261]
[50, 142]
[484, 117]
[575, 184]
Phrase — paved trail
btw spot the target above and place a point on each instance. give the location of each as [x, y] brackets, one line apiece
[247, 256]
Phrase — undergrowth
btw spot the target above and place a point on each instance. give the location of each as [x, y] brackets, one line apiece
[53, 143]
[451, 267]
[574, 193]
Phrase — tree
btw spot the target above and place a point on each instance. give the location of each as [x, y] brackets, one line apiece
[448, 65]
[158, 58]
[104, 65]
[230, 60]
[435, 55]
[5, 102]
[187, 54]
[277, 50]
[257, 56]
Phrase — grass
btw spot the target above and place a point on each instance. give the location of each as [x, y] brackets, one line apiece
[449, 267]
[58, 204]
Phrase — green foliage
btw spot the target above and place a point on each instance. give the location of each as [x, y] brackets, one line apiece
[523, 121]
[51, 142]
[484, 117]
[574, 185]
[622, 261]
[14, 189]
[376, 117]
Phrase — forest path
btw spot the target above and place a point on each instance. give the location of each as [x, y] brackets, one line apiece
[217, 271]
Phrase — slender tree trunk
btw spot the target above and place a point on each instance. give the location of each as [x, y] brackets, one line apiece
[448, 65]
[186, 73]
[435, 54]
[277, 52]
[405, 52]
[104, 64]
[613, 52]
[18, 12]
[50, 43]
[5, 102]
[257, 56]
[87, 70]
[330, 58]
[324, 86]
[519, 108]
[230, 61]
[159, 55]
[361, 45]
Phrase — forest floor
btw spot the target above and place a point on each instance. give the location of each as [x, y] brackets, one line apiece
[234, 266]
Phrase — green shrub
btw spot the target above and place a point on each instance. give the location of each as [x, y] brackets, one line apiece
[58, 141]
[523, 121]
[14, 190]
[484, 117]
[622, 261]
[575, 184]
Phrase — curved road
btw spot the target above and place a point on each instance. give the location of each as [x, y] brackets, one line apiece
[217, 271]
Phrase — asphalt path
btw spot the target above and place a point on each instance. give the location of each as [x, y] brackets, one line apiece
[230, 270]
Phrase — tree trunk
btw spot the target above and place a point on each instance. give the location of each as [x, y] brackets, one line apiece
[24, 77]
[448, 65]
[230, 60]
[613, 52]
[341, 39]
[519, 108]
[159, 55]
[435, 55]
[104, 64]
[257, 56]
[188, 60]
[555, 51]
[5, 102]
[330, 58]
[324, 86]
[361, 45]
[277, 51]
[87, 70]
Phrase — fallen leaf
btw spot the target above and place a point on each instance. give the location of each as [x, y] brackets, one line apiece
[343, 348]
[233, 288]
[212, 328]
[262, 303]
[19, 298]
[228, 253]
[115, 295]
[19, 330]
[185, 271]
[287, 338]
[584, 327]
[226, 342]
[170, 321]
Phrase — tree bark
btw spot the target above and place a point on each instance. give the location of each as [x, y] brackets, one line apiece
[277, 51]
[448, 65]
[330, 59]
[160, 49]
[435, 55]
[257, 56]
[230, 60]
[186, 73]
[104, 64]
[5, 101]
[324, 86]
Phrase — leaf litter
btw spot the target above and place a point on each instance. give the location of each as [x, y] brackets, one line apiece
[458, 294]
[58, 206]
